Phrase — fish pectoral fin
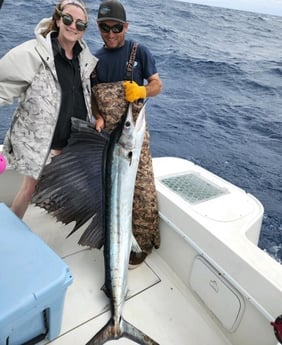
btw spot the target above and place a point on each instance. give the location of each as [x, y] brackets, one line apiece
[135, 246]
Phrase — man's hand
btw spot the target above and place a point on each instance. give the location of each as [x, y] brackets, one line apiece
[99, 123]
[133, 91]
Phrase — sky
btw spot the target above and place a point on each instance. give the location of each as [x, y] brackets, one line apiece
[273, 7]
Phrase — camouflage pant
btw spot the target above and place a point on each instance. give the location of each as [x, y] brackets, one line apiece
[111, 104]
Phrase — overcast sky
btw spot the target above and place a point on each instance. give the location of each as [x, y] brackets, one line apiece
[260, 6]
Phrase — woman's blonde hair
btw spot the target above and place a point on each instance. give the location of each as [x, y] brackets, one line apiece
[58, 11]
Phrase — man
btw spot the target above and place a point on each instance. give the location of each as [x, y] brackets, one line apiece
[118, 79]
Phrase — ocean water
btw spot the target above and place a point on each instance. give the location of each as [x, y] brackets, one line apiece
[221, 104]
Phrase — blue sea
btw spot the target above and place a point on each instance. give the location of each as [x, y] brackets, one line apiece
[221, 105]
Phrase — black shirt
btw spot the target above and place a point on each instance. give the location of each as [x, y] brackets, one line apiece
[72, 101]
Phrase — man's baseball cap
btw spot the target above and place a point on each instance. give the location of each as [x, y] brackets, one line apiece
[111, 10]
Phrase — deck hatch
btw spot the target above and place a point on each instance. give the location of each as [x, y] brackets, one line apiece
[193, 188]
[217, 294]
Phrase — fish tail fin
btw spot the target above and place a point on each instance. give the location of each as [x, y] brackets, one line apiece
[131, 332]
[105, 334]
[124, 329]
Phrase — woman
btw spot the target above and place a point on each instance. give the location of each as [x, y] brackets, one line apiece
[50, 76]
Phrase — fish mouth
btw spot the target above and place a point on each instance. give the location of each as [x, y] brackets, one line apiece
[133, 130]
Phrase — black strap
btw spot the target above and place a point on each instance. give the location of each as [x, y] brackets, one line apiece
[40, 337]
[130, 64]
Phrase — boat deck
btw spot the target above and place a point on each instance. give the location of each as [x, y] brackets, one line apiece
[158, 302]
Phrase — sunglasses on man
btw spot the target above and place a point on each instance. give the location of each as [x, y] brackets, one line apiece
[116, 29]
[68, 20]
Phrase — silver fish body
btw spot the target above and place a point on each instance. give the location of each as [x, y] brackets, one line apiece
[122, 163]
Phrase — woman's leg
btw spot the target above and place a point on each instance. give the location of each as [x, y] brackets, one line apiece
[23, 197]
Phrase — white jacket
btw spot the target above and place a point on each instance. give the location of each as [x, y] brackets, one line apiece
[27, 72]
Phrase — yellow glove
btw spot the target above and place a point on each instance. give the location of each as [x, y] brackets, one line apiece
[133, 91]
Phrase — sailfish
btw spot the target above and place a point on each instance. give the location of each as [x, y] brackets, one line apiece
[94, 176]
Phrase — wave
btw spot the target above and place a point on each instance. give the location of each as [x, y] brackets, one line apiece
[222, 96]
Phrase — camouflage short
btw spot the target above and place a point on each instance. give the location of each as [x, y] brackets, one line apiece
[112, 105]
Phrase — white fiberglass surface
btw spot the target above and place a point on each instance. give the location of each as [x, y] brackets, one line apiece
[157, 302]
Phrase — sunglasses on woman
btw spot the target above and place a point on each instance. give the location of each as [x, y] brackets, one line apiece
[116, 29]
[68, 20]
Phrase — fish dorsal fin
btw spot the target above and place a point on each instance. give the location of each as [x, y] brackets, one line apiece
[71, 187]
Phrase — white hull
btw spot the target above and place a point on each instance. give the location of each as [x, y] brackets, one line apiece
[208, 283]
